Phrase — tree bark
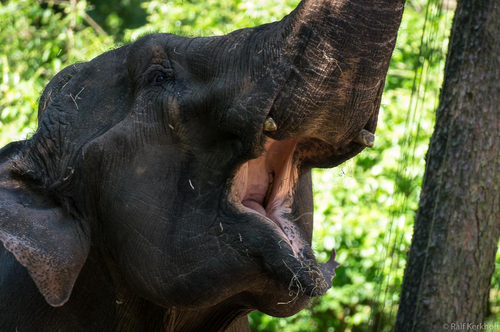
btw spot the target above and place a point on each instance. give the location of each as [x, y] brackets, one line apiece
[452, 256]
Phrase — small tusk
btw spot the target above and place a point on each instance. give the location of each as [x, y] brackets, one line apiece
[365, 138]
[270, 124]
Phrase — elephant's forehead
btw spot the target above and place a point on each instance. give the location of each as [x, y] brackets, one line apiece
[158, 54]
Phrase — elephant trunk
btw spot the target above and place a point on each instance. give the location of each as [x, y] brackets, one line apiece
[339, 52]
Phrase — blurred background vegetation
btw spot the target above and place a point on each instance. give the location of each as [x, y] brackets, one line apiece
[364, 208]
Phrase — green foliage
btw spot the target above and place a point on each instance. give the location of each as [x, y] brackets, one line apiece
[114, 16]
[37, 41]
[210, 17]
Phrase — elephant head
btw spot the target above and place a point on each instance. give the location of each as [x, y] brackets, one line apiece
[185, 162]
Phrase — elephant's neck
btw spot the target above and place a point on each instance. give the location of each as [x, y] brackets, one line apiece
[218, 318]
[138, 314]
[135, 313]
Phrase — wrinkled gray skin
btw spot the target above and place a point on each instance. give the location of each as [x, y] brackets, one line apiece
[143, 203]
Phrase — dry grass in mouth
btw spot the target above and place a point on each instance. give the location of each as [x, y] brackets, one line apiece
[295, 287]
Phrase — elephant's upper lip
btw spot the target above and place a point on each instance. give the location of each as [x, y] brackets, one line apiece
[264, 186]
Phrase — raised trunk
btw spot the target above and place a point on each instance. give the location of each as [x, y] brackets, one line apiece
[340, 53]
[452, 257]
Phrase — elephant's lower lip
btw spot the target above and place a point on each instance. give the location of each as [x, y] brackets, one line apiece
[265, 185]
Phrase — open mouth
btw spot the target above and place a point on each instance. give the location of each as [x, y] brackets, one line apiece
[265, 185]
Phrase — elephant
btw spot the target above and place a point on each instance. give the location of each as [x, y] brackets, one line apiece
[168, 185]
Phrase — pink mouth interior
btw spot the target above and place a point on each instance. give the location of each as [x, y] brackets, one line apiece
[265, 186]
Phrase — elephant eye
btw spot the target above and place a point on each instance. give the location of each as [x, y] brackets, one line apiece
[159, 79]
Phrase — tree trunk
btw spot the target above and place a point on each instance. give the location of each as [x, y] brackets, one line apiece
[452, 257]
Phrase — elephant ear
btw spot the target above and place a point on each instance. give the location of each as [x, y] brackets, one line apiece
[43, 236]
